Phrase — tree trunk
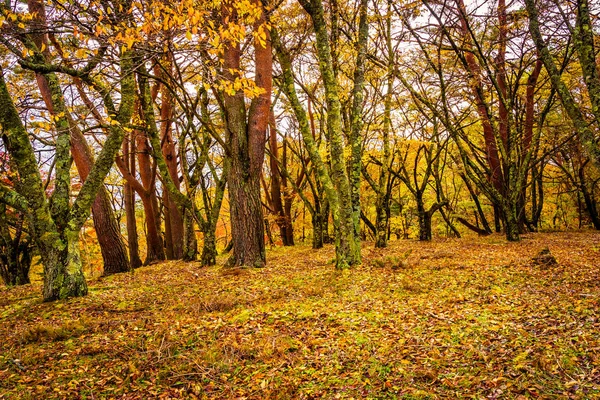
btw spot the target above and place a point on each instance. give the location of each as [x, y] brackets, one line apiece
[246, 137]
[209, 248]
[347, 242]
[190, 243]
[356, 126]
[327, 239]
[247, 224]
[382, 207]
[154, 244]
[114, 253]
[174, 229]
[590, 202]
[511, 222]
[424, 218]
[63, 272]
[317, 224]
[129, 200]
[15, 252]
[424, 226]
[282, 221]
[587, 136]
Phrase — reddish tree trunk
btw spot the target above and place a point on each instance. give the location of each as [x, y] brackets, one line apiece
[491, 148]
[246, 140]
[155, 248]
[173, 216]
[129, 198]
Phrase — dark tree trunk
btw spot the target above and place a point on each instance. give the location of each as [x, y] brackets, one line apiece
[472, 227]
[484, 222]
[455, 231]
[424, 226]
[590, 202]
[317, 224]
[288, 199]
[497, 218]
[511, 223]
[327, 239]
[424, 218]
[15, 252]
[190, 243]
[209, 248]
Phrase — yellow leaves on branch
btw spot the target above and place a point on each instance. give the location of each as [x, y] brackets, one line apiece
[246, 85]
[20, 18]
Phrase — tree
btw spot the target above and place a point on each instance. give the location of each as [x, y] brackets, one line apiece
[341, 185]
[16, 249]
[584, 43]
[246, 135]
[114, 253]
[54, 223]
[501, 164]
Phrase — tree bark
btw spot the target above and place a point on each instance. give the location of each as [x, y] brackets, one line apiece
[155, 250]
[174, 227]
[347, 244]
[15, 251]
[129, 200]
[246, 139]
[190, 243]
[282, 220]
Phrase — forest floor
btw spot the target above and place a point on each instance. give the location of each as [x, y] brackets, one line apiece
[456, 318]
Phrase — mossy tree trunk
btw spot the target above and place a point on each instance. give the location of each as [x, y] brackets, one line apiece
[190, 243]
[54, 223]
[112, 247]
[356, 124]
[336, 184]
[585, 49]
[383, 189]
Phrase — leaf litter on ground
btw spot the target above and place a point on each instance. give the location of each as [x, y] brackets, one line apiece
[454, 318]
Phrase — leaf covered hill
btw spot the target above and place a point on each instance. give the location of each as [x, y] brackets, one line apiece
[463, 318]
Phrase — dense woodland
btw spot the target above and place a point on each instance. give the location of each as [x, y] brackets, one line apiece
[299, 199]
[136, 132]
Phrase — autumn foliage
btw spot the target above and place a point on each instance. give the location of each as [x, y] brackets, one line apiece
[164, 166]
